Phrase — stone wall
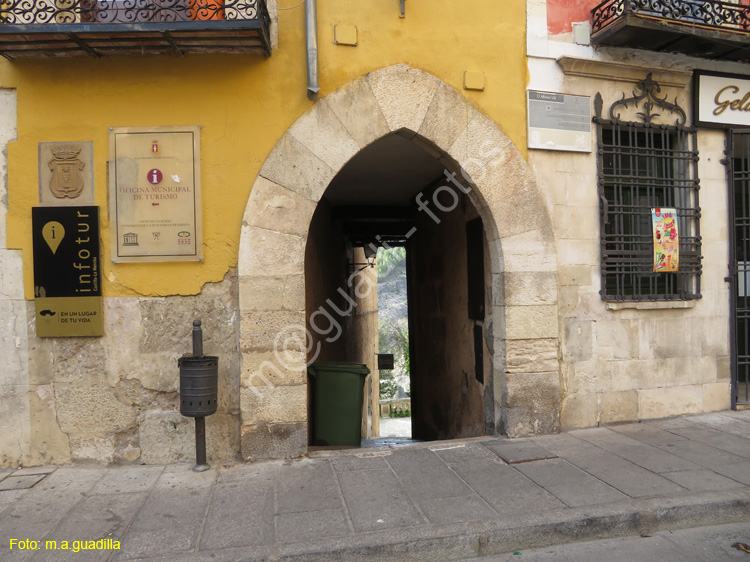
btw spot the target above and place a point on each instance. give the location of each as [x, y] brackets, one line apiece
[14, 360]
[363, 339]
[325, 271]
[407, 101]
[115, 399]
[626, 361]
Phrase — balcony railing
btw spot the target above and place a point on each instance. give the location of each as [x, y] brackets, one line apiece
[60, 28]
[706, 28]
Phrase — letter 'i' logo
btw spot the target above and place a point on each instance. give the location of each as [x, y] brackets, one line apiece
[53, 233]
[154, 147]
[154, 176]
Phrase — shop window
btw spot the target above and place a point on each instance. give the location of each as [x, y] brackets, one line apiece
[643, 165]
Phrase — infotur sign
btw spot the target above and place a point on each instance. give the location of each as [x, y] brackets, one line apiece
[721, 100]
[67, 282]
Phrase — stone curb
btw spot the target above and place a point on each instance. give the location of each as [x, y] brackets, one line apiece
[486, 538]
[473, 539]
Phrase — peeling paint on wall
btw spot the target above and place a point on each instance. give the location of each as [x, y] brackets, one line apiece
[561, 14]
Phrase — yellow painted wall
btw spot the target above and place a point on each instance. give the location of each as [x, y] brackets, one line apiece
[243, 106]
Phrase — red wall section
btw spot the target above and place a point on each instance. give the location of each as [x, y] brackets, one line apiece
[561, 13]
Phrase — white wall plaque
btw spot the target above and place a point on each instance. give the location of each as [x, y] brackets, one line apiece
[559, 121]
[155, 194]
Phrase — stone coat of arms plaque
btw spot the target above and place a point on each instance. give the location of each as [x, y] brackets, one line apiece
[66, 173]
[66, 180]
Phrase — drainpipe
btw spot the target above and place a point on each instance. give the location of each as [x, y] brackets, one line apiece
[311, 21]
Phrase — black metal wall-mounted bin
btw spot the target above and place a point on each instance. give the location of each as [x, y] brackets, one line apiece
[199, 385]
[199, 389]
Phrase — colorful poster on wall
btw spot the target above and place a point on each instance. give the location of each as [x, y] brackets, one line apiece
[666, 240]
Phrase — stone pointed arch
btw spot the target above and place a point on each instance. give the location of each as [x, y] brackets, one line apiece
[274, 231]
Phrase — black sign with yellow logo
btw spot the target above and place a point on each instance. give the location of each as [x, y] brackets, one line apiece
[67, 286]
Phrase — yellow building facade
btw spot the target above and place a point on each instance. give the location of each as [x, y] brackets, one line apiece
[445, 83]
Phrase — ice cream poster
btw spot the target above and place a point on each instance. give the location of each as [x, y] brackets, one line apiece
[666, 240]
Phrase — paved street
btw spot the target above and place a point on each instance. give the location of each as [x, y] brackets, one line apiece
[721, 543]
[438, 501]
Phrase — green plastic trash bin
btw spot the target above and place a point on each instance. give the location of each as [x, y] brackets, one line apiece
[338, 391]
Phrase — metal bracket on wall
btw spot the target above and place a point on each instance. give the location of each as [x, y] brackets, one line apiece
[402, 3]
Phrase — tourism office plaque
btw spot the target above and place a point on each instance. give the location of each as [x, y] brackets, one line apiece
[155, 194]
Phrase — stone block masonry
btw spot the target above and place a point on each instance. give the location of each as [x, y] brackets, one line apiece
[115, 399]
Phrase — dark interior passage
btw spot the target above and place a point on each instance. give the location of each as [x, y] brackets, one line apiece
[451, 363]
[395, 192]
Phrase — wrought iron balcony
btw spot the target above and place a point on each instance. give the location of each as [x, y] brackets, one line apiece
[69, 28]
[702, 28]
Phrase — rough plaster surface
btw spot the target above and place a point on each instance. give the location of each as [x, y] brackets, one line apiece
[15, 407]
[115, 399]
[403, 100]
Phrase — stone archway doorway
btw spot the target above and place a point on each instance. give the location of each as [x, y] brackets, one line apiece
[277, 220]
[396, 193]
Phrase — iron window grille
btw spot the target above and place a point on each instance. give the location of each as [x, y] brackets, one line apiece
[738, 171]
[644, 165]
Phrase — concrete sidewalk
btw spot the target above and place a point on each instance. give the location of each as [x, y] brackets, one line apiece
[430, 501]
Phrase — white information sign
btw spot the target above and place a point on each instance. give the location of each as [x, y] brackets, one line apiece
[155, 194]
[722, 100]
[559, 121]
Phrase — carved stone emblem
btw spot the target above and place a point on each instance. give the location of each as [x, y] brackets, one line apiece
[66, 167]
